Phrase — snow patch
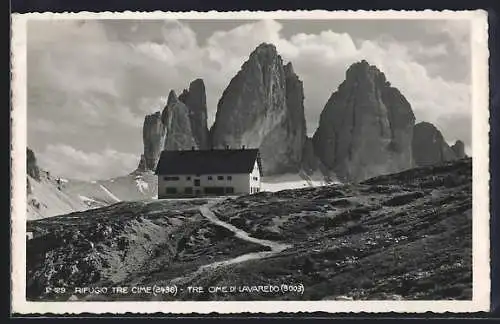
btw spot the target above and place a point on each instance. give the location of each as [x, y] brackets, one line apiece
[86, 199]
[110, 193]
[141, 184]
[288, 181]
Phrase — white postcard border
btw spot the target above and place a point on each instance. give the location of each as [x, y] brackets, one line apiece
[480, 148]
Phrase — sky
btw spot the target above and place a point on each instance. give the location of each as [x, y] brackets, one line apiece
[91, 82]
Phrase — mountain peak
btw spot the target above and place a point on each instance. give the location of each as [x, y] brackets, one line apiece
[197, 83]
[376, 126]
[289, 69]
[261, 107]
[459, 149]
[265, 47]
[363, 69]
[264, 52]
[172, 98]
[429, 146]
[427, 126]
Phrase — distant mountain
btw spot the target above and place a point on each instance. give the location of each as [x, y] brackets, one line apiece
[366, 127]
[49, 195]
[459, 149]
[429, 146]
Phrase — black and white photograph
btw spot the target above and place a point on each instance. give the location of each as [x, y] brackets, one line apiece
[261, 157]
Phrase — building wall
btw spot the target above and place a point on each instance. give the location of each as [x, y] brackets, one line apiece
[240, 183]
[254, 179]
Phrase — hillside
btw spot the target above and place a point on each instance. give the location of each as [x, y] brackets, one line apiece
[399, 236]
[50, 196]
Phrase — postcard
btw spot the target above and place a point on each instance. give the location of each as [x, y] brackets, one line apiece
[228, 162]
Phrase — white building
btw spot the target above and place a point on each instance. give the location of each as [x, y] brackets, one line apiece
[215, 172]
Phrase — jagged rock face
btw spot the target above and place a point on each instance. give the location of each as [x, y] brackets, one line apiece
[142, 163]
[175, 117]
[296, 122]
[310, 161]
[429, 146]
[366, 127]
[31, 165]
[459, 149]
[195, 99]
[181, 125]
[262, 107]
[153, 134]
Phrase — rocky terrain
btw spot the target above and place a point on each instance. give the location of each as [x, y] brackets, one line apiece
[400, 236]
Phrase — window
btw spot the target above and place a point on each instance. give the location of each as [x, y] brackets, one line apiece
[171, 191]
[196, 182]
[188, 190]
[251, 190]
[220, 177]
[229, 178]
[256, 178]
[188, 178]
[218, 191]
[170, 178]
[209, 177]
[229, 190]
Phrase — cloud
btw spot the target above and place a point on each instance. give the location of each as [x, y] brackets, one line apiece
[99, 78]
[76, 164]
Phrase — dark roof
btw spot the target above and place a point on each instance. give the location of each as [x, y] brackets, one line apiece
[208, 161]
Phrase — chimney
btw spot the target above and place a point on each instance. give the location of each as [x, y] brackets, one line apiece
[243, 147]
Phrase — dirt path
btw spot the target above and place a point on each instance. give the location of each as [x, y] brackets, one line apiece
[275, 246]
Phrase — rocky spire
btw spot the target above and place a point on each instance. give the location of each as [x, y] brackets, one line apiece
[175, 117]
[177, 127]
[31, 165]
[195, 99]
[153, 136]
[366, 126]
[262, 107]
